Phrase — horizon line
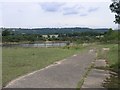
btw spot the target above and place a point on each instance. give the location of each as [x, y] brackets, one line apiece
[58, 27]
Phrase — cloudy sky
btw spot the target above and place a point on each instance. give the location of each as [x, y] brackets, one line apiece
[64, 13]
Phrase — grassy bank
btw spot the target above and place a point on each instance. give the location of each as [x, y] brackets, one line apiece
[111, 56]
[19, 61]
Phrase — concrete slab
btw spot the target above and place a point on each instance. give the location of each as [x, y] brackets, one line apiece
[95, 78]
[100, 63]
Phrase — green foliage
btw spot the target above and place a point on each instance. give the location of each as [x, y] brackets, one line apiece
[111, 36]
[115, 7]
[6, 33]
[73, 37]
[20, 38]
[84, 37]
[56, 31]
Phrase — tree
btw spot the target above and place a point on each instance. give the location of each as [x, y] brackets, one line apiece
[115, 7]
[5, 33]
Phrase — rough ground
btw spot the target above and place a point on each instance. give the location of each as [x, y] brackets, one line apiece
[96, 76]
[64, 74]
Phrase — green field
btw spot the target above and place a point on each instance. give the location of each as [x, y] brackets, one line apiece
[19, 61]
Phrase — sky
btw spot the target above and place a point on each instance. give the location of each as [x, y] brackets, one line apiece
[53, 13]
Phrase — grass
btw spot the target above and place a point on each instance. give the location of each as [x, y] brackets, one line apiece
[111, 57]
[18, 61]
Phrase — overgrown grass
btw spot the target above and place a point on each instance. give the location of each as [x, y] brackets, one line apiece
[19, 61]
[112, 59]
[111, 56]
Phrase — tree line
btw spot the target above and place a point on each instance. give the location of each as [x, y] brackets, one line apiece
[78, 37]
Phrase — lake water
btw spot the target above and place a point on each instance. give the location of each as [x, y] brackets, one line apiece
[55, 44]
[44, 45]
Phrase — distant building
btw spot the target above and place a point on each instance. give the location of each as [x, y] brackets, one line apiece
[100, 36]
[13, 30]
[23, 33]
[50, 36]
[45, 36]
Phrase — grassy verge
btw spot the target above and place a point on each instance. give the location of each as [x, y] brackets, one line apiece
[19, 61]
[111, 56]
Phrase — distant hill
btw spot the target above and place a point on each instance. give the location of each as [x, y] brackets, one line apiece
[55, 30]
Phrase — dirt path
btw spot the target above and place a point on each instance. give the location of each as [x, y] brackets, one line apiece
[64, 74]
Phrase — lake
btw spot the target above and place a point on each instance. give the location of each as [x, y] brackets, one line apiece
[42, 44]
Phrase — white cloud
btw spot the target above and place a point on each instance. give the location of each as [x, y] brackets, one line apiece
[52, 14]
[70, 10]
[51, 6]
[1, 14]
[55, 0]
[93, 9]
